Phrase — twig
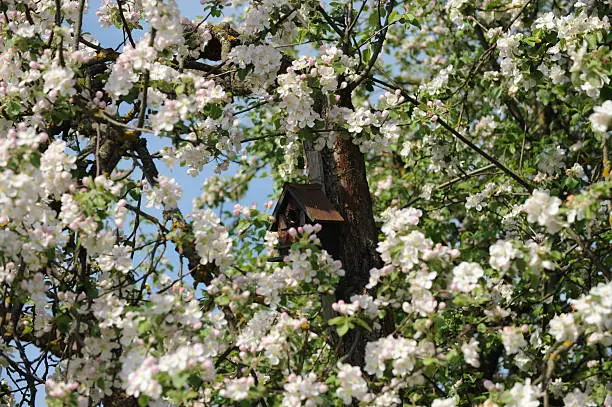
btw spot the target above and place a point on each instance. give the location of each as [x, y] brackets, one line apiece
[145, 89]
[58, 24]
[148, 217]
[91, 44]
[467, 175]
[126, 28]
[265, 136]
[354, 21]
[109, 119]
[329, 20]
[247, 109]
[462, 138]
[377, 48]
[98, 150]
[225, 354]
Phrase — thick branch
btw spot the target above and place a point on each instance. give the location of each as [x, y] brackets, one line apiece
[184, 248]
[78, 26]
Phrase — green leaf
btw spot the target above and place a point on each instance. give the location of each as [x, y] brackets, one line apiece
[305, 133]
[367, 54]
[195, 381]
[135, 193]
[27, 330]
[179, 380]
[35, 159]
[337, 320]
[242, 73]
[215, 111]
[62, 321]
[13, 108]
[493, 4]
[412, 19]
[91, 290]
[222, 300]
[362, 324]
[429, 361]
[394, 16]
[144, 326]
[343, 329]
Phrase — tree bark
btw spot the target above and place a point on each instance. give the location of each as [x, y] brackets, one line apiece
[346, 186]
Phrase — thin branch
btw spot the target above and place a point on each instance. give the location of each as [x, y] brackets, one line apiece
[97, 154]
[185, 248]
[377, 47]
[467, 175]
[145, 89]
[330, 21]
[58, 24]
[225, 354]
[198, 66]
[265, 136]
[91, 44]
[109, 119]
[78, 25]
[354, 21]
[147, 216]
[462, 138]
[518, 15]
[247, 109]
[126, 28]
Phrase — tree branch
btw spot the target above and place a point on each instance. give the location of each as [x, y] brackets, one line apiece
[126, 28]
[377, 48]
[462, 138]
[78, 25]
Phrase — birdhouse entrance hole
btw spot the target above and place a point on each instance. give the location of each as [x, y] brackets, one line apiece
[302, 204]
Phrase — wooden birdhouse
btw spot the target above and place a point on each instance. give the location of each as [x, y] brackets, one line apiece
[302, 204]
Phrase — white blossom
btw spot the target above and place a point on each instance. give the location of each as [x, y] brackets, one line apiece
[501, 255]
[119, 258]
[512, 339]
[564, 328]
[543, 209]
[351, 383]
[137, 373]
[303, 390]
[166, 193]
[59, 80]
[601, 119]
[470, 352]
[578, 398]
[450, 402]
[596, 307]
[524, 395]
[401, 351]
[237, 389]
[466, 276]
[212, 240]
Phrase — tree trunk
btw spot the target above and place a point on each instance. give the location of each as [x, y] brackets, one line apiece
[346, 186]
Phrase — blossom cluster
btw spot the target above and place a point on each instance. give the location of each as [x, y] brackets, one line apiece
[482, 130]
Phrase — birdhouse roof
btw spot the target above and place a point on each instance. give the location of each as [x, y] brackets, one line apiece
[311, 199]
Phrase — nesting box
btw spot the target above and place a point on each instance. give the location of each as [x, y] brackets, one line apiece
[302, 204]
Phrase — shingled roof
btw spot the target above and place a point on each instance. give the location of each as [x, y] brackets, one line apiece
[311, 200]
